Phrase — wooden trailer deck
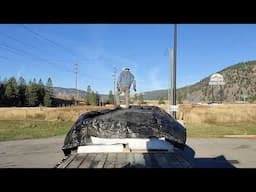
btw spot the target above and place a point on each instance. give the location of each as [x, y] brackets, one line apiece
[126, 160]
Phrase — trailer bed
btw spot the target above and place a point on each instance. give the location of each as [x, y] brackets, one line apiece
[126, 160]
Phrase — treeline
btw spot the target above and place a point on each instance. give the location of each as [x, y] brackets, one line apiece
[21, 94]
[92, 98]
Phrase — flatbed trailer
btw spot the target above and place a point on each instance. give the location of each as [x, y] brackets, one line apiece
[137, 126]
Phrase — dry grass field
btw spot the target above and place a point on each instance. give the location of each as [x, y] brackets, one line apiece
[46, 113]
[219, 120]
[216, 120]
[36, 122]
[226, 113]
[200, 120]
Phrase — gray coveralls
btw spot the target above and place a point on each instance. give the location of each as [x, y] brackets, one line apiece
[124, 82]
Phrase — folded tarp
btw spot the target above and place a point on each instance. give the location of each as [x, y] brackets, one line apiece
[134, 122]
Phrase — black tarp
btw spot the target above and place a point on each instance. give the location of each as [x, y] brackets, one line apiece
[133, 122]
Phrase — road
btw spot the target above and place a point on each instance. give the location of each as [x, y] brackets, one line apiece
[206, 152]
[213, 152]
[31, 153]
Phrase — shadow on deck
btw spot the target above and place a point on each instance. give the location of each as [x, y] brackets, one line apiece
[207, 162]
[190, 161]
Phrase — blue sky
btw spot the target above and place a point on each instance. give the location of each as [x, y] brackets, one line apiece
[51, 50]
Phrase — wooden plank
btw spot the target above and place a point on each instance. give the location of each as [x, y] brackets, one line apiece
[125, 160]
[88, 160]
[121, 160]
[77, 161]
[110, 161]
[130, 160]
[66, 162]
[99, 160]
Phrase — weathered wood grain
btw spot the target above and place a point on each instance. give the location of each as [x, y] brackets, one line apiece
[99, 160]
[66, 162]
[121, 160]
[77, 161]
[88, 160]
[110, 161]
[126, 160]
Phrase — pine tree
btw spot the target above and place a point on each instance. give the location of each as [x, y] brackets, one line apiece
[31, 95]
[41, 92]
[88, 94]
[22, 89]
[49, 87]
[47, 99]
[27, 94]
[48, 93]
[35, 90]
[11, 91]
[97, 98]
[92, 99]
[2, 91]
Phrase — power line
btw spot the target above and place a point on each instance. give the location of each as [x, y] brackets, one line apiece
[9, 47]
[40, 36]
[40, 58]
[14, 51]
[11, 50]
[22, 42]
[56, 44]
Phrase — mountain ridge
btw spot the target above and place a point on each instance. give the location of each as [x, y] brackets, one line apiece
[240, 80]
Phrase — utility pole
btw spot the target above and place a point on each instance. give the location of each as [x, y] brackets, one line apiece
[170, 91]
[174, 71]
[76, 72]
[114, 79]
[169, 87]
